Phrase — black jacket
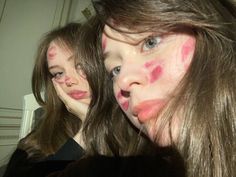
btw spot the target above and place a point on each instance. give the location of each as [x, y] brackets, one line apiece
[20, 166]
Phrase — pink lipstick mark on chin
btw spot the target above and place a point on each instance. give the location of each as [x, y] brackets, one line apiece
[148, 110]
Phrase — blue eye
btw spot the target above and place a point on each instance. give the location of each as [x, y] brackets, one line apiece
[151, 42]
[115, 71]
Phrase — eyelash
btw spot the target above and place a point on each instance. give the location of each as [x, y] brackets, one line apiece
[156, 40]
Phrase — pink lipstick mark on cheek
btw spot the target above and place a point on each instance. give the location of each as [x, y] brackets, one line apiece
[52, 52]
[155, 74]
[187, 48]
[104, 42]
[155, 70]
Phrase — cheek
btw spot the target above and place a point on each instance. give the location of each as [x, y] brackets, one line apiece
[155, 70]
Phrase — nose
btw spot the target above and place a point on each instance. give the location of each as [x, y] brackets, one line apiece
[70, 80]
[130, 77]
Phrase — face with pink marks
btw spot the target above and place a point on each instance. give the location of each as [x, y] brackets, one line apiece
[62, 66]
[145, 69]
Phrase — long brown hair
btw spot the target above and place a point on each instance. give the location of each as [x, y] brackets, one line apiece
[57, 124]
[105, 130]
[207, 138]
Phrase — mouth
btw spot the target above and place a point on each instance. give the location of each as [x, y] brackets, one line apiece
[148, 109]
[78, 94]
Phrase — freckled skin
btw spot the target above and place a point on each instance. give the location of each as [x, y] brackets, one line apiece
[155, 70]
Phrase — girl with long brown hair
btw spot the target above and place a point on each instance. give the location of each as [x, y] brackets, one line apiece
[173, 68]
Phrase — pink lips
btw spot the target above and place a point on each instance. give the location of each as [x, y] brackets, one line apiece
[78, 94]
[149, 109]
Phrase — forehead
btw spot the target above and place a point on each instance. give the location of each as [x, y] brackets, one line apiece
[127, 36]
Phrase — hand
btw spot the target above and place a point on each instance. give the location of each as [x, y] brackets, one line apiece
[79, 139]
[73, 106]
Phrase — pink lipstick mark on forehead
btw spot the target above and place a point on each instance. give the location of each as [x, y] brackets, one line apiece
[187, 48]
[155, 70]
[52, 52]
[104, 42]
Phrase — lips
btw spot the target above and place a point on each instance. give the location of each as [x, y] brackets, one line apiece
[78, 94]
[149, 109]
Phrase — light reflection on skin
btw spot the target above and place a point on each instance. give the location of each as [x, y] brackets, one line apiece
[150, 69]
